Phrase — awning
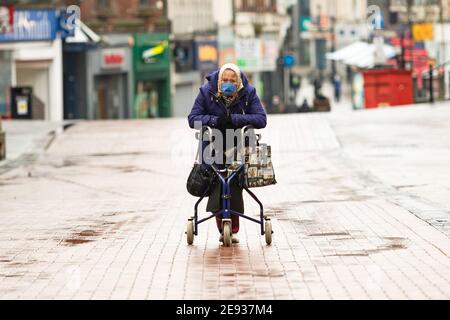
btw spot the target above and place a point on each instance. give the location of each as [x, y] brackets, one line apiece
[360, 54]
[83, 34]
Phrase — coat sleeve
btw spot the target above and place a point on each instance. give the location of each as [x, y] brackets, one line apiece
[199, 113]
[255, 114]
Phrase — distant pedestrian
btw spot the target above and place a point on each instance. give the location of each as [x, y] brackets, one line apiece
[304, 107]
[317, 86]
[337, 88]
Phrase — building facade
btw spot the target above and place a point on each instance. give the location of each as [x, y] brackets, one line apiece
[127, 16]
[31, 60]
[194, 48]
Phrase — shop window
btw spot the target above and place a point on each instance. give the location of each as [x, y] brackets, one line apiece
[147, 99]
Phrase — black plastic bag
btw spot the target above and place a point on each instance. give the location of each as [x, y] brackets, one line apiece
[200, 181]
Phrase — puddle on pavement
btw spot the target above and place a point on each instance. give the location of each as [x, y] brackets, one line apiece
[21, 264]
[102, 228]
[118, 154]
[256, 273]
[88, 233]
[11, 275]
[395, 239]
[393, 243]
[275, 211]
[116, 213]
[329, 234]
[73, 242]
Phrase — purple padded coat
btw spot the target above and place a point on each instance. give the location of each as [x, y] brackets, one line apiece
[246, 110]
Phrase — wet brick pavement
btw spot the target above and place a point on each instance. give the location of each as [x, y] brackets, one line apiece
[101, 215]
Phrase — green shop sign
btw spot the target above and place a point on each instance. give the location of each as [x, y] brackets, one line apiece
[155, 53]
[151, 51]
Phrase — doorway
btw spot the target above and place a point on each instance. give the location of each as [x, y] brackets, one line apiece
[36, 75]
[112, 96]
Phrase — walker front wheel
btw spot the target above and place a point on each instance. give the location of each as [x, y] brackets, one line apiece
[268, 232]
[227, 234]
[190, 232]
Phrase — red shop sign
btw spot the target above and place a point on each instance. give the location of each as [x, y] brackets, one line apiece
[113, 58]
[6, 18]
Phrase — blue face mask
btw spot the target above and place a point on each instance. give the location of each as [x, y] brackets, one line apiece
[229, 89]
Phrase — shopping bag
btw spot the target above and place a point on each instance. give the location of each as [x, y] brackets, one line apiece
[259, 171]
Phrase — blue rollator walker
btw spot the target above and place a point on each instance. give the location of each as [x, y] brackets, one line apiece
[233, 172]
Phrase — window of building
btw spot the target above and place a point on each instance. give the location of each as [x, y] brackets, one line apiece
[103, 4]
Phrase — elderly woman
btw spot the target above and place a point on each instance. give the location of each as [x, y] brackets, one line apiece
[228, 101]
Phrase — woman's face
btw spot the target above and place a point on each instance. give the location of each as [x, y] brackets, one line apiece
[230, 76]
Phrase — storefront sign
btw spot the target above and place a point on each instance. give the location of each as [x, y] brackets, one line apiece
[113, 58]
[257, 54]
[423, 31]
[6, 19]
[207, 56]
[155, 53]
[207, 53]
[306, 24]
[151, 52]
[32, 25]
[248, 54]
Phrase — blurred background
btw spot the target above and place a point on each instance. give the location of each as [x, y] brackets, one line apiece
[122, 59]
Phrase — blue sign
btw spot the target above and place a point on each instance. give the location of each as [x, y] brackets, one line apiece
[306, 24]
[32, 25]
[377, 21]
[64, 26]
[289, 61]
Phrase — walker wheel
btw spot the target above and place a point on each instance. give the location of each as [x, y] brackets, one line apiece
[268, 232]
[190, 232]
[227, 234]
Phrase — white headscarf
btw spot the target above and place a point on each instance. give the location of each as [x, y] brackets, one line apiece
[235, 68]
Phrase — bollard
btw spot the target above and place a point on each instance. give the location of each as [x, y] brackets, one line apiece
[2, 143]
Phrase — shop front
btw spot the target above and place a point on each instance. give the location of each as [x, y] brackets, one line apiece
[31, 57]
[75, 69]
[186, 80]
[109, 77]
[151, 69]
